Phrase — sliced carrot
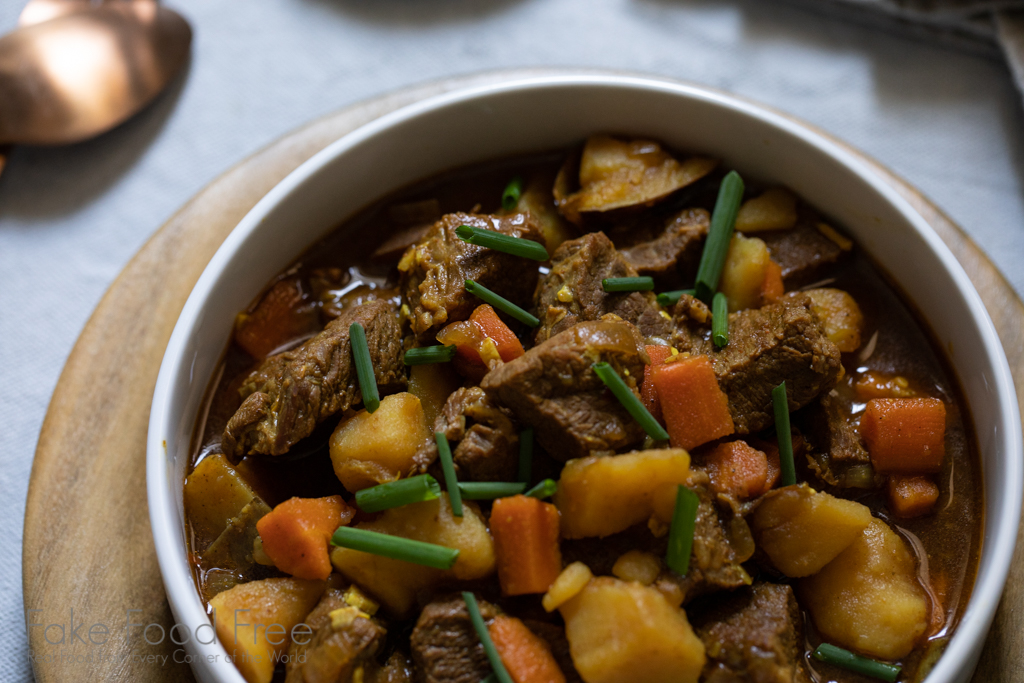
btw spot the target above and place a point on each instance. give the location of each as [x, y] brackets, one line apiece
[771, 451]
[284, 314]
[648, 394]
[739, 469]
[296, 534]
[527, 658]
[480, 341]
[905, 435]
[526, 547]
[772, 287]
[695, 409]
[509, 346]
[912, 496]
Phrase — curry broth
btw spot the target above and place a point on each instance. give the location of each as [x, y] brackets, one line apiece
[946, 542]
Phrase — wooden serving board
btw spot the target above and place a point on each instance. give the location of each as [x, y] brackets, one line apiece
[87, 542]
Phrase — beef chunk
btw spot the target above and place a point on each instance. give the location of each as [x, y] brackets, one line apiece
[779, 342]
[677, 247]
[434, 270]
[715, 560]
[340, 645]
[804, 253]
[838, 457]
[289, 393]
[445, 646]
[572, 292]
[553, 388]
[754, 636]
[487, 442]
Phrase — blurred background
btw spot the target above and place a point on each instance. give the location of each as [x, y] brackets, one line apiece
[923, 87]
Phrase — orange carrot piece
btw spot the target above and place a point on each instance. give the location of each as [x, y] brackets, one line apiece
[296, 534]
[772, 287]
[695, 409]
[509, 346]
[739, 469]
[912, 496]
[905, 435]
[527, 658]
[648, 394]
[284, 314]
[526, 547]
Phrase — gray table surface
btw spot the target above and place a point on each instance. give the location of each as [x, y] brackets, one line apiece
[948, 121]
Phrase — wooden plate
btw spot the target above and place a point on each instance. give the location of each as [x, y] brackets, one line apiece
[88, 556]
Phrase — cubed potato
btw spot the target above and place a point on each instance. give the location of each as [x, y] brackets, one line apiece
[394, 582]
[373, 448]
[840, 317]
[744, 271]
[214, 494]
[254, 621]
[432, 384]
[773, 210]
[622, 632]
[802, 530]
[637, 565]
[868, 599]
[538, 201]
[602, 495]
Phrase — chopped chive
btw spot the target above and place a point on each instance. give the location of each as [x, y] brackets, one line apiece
[485, 638]
[669, 298]
[544, 489]
[785, 436]
[364, 367]
[629, 401]
[430, 354]
[723, 219]
[489, 490]
[517, 246]
[501, 303]
[397, 493]
[513, 191]
[627, 284]
[526, 454]
[720, 320]
[862, 665]
[395, 547]
[680, 538]
[451, 482]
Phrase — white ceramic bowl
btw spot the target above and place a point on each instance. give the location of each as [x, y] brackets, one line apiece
[544, 113]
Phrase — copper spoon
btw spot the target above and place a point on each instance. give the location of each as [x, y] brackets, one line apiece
[75, 76]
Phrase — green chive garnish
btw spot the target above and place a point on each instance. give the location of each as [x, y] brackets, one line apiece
[670, 298]
[398, 493]
[862, 665]
[720, 320]
[395, 547]
[517, 246]
[627, 284]
[629, 401]
[430, 354]
[723, 219]
[513, 191]
[544, 489]
[680, 538]
[489, 490]
[785, 436]
[364, 367]
[451, 482]
[485, 638]
[501, 303]
[526, 454]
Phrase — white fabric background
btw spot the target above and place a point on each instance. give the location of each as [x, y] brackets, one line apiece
[71, 218]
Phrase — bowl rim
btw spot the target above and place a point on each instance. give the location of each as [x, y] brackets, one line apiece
[965, 643]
